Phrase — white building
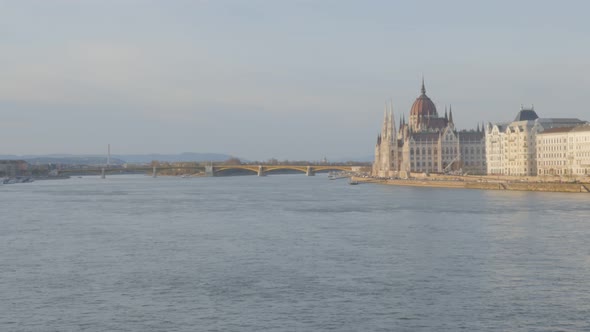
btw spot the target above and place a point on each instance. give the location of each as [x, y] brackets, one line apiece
[564, 151]
[511, 147]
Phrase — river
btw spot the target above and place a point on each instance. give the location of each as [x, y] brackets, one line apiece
[289, 253]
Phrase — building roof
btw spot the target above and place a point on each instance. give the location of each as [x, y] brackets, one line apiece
[585, 127]
[425, 136]
[526, 115]
[561, 120]
[557, 130]
[436, 123]
[470, 135]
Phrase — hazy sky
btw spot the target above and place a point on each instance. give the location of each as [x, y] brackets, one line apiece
[282, 79]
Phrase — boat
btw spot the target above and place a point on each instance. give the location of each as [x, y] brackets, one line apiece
[336, 176]
[352, 182]
[18, 179]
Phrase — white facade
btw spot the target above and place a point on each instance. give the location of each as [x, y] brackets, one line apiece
[564, 151]
[511, 149]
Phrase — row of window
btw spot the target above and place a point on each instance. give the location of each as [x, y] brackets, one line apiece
[551, 171]
[553, 148]
[551, 155]
[552, 163]
[552, 140]
[423, 164]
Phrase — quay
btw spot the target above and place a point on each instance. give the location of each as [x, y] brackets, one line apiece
[483, 183]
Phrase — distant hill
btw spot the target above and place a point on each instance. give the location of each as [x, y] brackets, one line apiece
[362, 159]
[64, 159]
[186, 156]
[117, 159]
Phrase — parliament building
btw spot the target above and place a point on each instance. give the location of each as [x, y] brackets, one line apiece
[427, 143]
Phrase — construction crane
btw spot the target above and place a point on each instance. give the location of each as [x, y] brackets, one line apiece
[457, 158]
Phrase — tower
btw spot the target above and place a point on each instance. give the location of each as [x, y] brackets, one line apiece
[386, 147]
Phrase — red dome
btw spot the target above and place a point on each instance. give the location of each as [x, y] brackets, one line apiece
[423, 107]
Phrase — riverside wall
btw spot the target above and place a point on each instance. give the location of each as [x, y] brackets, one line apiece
[459, 182]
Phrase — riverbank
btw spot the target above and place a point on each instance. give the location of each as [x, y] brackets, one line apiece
[468, 183]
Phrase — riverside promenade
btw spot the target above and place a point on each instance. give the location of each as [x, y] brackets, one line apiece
[485, 183]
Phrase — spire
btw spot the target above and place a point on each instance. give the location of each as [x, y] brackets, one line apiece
[423, 88]
[446, 116]
[389, 131]
[384, 127]
[478, 127]
[450, 114]
[392, 123]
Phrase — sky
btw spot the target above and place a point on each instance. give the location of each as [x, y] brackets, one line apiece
[258, 79]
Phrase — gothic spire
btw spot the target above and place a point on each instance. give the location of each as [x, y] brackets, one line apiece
[392, 134]
[450, 114]
[423, 88]
[389, 131]
[384, 128]
[446, 116]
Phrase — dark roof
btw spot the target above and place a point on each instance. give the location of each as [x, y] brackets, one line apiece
[425, 136]
[572, 121]
[470, 135]
[526, 115]
[436, 123]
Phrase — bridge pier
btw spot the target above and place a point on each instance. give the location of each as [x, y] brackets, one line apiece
[261, 171]
[309, 171]
[102, 173]
[209, 171]
[155, 172]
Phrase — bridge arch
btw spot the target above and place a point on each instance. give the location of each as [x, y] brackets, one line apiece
[221, 169]
[332, 168]
[285, 167]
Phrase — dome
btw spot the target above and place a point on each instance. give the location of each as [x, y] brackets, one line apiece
[423, 107]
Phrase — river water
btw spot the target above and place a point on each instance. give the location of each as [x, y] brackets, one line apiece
[289, 253]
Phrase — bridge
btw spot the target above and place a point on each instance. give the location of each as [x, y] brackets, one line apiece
[210, 170]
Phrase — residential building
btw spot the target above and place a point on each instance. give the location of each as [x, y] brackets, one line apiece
[511, 147]
[564, 151]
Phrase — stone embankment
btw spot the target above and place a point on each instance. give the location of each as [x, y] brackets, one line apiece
[460, 182]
